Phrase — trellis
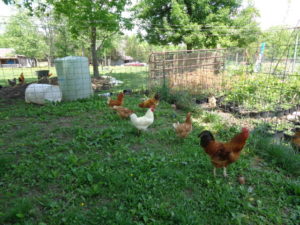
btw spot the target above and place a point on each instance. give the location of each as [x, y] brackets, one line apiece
[193, 70]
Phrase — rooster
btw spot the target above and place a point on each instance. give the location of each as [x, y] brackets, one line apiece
[117, 102]
[150, 102]
[183, 129]
[142, 123]
[122, 111]
[223, 154]
[21, 79]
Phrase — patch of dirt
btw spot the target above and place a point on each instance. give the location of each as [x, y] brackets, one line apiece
[136, 147]
[65, 121]
[246, 122]
[17, 91]
[250, 122]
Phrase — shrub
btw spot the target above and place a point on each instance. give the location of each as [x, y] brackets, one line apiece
[182, 99]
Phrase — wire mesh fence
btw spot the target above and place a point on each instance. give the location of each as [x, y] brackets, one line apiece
[248, 83]
[194, 70]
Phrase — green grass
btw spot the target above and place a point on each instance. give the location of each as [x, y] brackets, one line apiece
[79, 163]
[128, 74]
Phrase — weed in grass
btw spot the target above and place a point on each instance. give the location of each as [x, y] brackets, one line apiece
[210, 118]
[18, 212]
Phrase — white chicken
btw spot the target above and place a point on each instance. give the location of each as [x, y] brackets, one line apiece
[143, 122]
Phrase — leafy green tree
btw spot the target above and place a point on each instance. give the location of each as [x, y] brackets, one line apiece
[96, 19]
[8, 1]
[22, 34]
[137, 49]
[140, 50]
[278, 39]
[197, 23]
[66, 45]
[59, 39]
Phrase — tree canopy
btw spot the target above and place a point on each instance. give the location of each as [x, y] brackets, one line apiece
[97, 20]
[197, 23]
[23, 35]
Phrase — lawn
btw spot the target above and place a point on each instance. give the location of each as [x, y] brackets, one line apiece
[79, 163]
[30, 73]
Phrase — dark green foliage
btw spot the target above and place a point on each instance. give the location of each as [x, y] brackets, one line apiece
[182, 99]
[19, 211]
[197, 23]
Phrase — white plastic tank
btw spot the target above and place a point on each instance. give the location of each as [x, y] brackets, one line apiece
[40, 93]
[74, 77]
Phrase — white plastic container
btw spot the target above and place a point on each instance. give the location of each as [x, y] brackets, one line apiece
[40, 93]
[74, 77]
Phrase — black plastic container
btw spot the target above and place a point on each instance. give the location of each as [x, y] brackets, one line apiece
[42, 73]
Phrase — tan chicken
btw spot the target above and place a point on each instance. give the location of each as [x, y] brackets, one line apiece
[183, 129]
[122, 111]
[152, 102]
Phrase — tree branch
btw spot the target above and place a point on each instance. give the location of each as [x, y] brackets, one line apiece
[104, 39]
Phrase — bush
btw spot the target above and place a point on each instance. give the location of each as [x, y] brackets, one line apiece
[182, 99]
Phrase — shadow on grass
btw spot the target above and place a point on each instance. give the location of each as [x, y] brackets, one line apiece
[280, 153]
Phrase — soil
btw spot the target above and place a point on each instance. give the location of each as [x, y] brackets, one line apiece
[17, 91]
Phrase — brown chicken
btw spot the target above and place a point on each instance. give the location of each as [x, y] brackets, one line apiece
[183, 129]
[117, 102]
[21, 79]
[223, 154]
[12, 82]
[122, 111]
[296, 139]
[150, 102]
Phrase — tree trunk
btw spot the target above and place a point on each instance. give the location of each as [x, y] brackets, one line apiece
[50, 61]
[82, 51]
[94, 51]
[189, 46]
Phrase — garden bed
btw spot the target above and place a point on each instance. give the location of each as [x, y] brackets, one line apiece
[230, 107]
